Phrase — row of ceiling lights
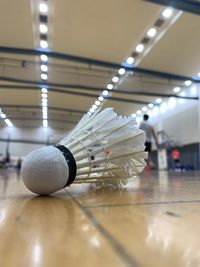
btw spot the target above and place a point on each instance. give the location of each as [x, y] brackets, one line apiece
[158, 101]
[121, 72]
[43, 10]
[166, 14]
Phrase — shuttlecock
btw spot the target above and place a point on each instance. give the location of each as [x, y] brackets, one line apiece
[102, 147]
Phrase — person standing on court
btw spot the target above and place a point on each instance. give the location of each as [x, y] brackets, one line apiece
[150, 132]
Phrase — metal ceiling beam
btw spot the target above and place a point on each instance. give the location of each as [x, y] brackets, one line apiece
[89, 88]
[26, 141]
[39, 107]
[39, 119]
[184, 5]
[90, 62]
[95, 96]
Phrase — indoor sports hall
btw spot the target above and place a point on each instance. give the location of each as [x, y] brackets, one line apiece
[99, 133]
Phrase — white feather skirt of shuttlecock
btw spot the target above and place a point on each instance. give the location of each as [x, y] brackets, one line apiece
[106, 147]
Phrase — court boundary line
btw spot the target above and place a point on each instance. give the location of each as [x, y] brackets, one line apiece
[115, 245]
[142, 204]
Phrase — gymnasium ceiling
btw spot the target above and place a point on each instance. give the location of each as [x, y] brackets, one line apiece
[106, 31]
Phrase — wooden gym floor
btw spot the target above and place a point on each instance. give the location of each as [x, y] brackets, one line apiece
[153, 222]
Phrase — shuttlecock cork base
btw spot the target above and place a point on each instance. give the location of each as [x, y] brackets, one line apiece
[103, 148]
[47, 170]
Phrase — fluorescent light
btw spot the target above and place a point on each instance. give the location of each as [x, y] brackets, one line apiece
[3, 116]
[45, 123]
[44, 90]
[44, 100]
[97, 103]
[115, 79]
[130, 60]
[43, 28]
[121, 71]
[44, 104]
[150, 105]
[144, 109]
[139, 112]
[91, 110]
[158, 100]
[110, 86]
[139, 48]
[44, 68]
[167, 13]
[44, 95]
[44, 76]
[43, 44]
[101, 98]
[44, 58]
[133, 115]
[43, 8]
[94, 107]
[8, 122]
[151, 32]
[176, 89]
[188, 83]
[44, 116]
[44, 109]
[105, 92]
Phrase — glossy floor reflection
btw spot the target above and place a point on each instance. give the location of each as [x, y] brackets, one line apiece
[153, 221]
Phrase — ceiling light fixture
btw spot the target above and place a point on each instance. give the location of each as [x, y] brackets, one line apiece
[44, 76]
[150, 105]
[101, 98]
[139, 48]
[158, 100]
[43, 8]
[121, 71]
[115, 79]
[110, 86]
[188, 83]
[167, 13]
[44, 58]
[43, 44]
[144, 109]
[151, 32]
[44, 90]
[105, 92]
[44, 68]
[176, 89]
[43, 28]
[130, 60]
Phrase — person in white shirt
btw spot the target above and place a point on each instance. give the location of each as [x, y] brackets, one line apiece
[148, 128]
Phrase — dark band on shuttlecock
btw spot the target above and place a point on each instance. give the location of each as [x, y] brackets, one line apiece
[71, 163]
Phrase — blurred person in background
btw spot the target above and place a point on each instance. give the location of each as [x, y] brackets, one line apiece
[150, 133]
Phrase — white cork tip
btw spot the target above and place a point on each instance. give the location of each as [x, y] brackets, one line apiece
[45, 171]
